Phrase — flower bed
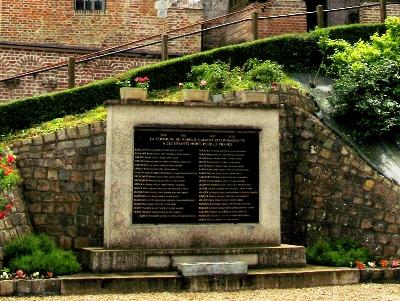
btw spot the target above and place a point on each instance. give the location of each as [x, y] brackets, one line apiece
[9, 179]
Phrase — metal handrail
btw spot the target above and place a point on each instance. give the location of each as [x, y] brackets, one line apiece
[106, 52]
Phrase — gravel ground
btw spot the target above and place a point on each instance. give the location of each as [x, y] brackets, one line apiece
[384, 292]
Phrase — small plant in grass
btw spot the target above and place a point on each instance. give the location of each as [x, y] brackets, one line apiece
[341, 253]
[38, 253]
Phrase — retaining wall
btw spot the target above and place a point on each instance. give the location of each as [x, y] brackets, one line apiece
[327, 190]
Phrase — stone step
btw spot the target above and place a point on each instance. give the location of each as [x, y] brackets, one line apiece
[309, 276]
[100, 260]
[212, 268]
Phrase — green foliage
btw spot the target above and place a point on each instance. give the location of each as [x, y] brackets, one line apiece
[263, 71]
[59, 262]
[27, 245]
[294, 52]
[340, 254]
[216, 76]
[38, 253]
[366, 95]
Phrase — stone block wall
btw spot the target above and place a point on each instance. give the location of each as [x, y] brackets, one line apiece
[15, 60]
[15, 224]
[327, 190]
[63, 176]
[373, 14]
[337, 194]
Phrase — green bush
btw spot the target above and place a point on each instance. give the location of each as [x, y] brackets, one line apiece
[27, 245]
[38, 253]
[294, 52]
[59, 262]
[340, 254]
[263, 71]
[366, 95]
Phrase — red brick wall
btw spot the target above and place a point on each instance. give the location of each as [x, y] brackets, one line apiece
[283, 25]
[14, 61]
[372, 14]
[242, 32]
[56, 22]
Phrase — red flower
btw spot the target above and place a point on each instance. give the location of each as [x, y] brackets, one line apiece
[3, 214]
[10, 159]
[8, 207]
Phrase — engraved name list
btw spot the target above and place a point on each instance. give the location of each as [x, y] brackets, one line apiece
[195, 175]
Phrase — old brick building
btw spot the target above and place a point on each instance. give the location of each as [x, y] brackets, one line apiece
[39, 33]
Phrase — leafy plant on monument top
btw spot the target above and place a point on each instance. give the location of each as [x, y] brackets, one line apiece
[9, 179]
[215, 77]
[366, 94]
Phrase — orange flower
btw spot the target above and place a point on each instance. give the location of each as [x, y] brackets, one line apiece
[360, 265]
[383, 263]
[8, 171]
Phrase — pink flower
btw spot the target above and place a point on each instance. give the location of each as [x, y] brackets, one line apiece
[274, 86]
[19, 274]
[203, 83]
[395, 263]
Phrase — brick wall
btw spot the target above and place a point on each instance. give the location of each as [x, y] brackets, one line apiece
[241, 32]
[326, 188]
[17, 60]
[56, 22]
[372, 14]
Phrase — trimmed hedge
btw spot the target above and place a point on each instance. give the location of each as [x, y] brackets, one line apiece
[298, 52]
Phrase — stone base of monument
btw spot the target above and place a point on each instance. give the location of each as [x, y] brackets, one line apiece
[212, 268]
[102, 260]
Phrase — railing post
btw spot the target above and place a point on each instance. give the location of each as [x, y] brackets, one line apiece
[164, 47]
[71, 72]
[383, 10]
[254, 25]
[320, 16]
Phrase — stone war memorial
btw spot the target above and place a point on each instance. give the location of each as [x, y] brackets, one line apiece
[191, 182]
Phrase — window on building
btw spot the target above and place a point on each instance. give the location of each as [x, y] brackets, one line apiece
[90, 5]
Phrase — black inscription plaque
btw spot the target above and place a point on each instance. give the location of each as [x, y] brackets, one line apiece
[195, 175]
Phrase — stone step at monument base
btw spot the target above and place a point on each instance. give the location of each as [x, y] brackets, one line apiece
[309, 276]
[100, 260]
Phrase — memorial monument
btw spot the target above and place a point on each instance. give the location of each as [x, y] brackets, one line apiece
[191, 182]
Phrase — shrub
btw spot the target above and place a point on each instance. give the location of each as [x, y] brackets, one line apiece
[366, 95]
[217, 76]
[59, 262]
[38, 253]
[263, 71]
[294, 52]
[340, 254]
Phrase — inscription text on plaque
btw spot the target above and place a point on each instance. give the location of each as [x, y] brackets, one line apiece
[195, 175]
